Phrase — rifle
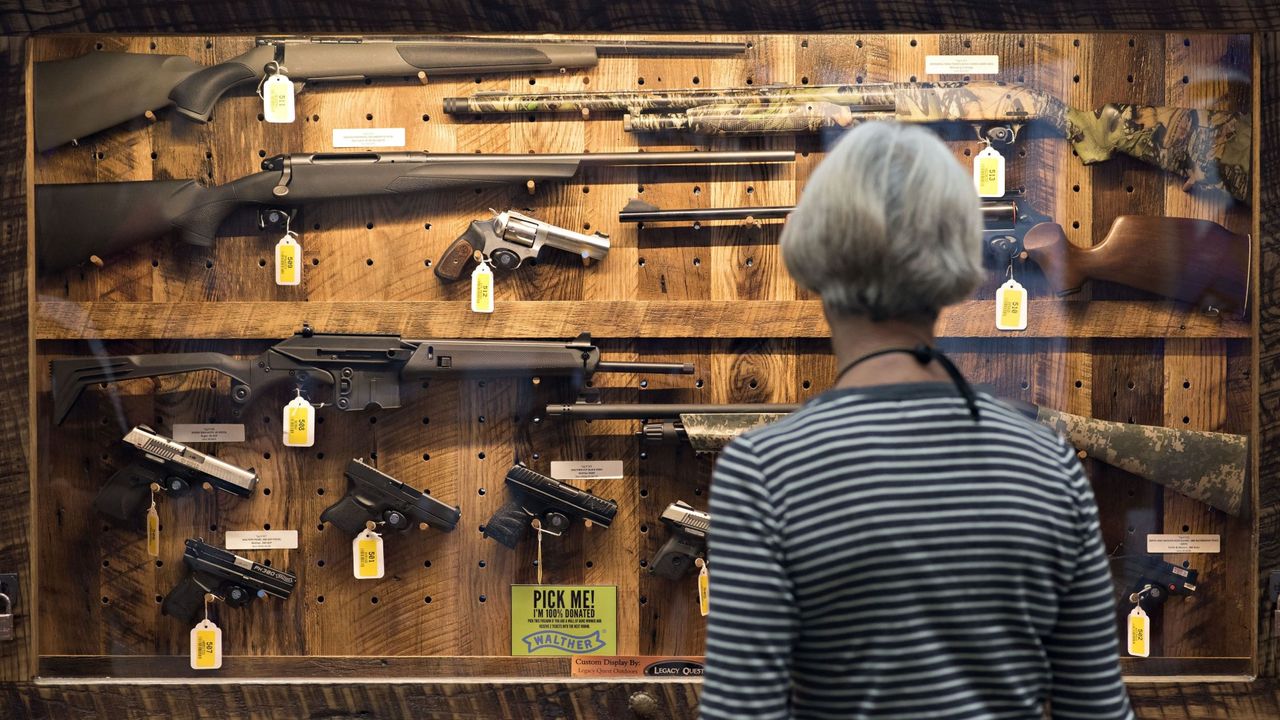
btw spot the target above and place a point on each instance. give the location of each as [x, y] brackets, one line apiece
[1196, 261]
[361, 371]
[79, 220]
[1211, 149]
[80, 96]
[1204, 466]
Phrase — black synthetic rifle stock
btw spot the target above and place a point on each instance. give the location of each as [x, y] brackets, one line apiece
[356, 372]
[79, 220]
[77, 97]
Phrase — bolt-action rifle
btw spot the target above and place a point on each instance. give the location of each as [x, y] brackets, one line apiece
[1196, 261]
[1208, 148]
[76, 221]
[77, 97]
[1204, 466]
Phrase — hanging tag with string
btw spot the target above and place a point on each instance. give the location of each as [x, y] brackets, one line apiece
[276, 91]
[206, 643]
[299, 422]
[1139, 627]
[288, 257]
[367, 558]
[1011, 304]
[153, 525]
[481, 286]
[988, 172]
[704, 587]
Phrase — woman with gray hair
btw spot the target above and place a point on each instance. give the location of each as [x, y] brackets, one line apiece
[903, 546]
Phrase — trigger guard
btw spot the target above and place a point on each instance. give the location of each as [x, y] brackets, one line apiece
[504, 259]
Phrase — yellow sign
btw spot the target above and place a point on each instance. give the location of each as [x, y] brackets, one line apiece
[564, 620]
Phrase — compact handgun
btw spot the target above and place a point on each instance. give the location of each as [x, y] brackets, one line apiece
[174, 467]
[235, 580]
[378, 497]
[688, 541]
[508, 239]
[553, 503]
[1154, 580]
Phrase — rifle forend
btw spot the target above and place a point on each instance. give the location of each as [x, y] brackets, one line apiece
[127, 213]
[77, 97]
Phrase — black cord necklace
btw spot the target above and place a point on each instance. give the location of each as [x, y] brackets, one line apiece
[923, 354]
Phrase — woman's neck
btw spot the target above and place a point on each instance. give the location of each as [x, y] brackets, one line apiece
[856, 337]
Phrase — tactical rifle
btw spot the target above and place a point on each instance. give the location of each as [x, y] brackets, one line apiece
[508, 239]
[1209, 148]
[79, 220]
[169, 465]
[688, 541]
[358, 371]
[77, 97]
[1204, 466]
[235, 580]
[1196, 261]
[374, 496]
[554, 504]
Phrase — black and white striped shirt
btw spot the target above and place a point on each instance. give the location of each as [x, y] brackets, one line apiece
[878, 554]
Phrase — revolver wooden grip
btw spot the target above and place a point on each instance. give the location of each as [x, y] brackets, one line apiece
[453, 264]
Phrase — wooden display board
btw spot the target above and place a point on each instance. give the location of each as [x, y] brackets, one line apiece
[717, 296]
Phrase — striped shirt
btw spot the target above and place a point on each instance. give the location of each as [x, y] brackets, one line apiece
[878, 554]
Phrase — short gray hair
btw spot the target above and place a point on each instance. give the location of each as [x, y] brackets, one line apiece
[889, 226]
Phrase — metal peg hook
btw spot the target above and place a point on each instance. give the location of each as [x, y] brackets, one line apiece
[1136, 597]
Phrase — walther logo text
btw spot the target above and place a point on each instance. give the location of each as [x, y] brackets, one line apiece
[576, 644]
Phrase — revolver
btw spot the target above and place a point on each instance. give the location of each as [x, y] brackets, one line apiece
[172, 466]
[508, 239]
[553, 503]
[235, 580]
[378, 497]
[688, 541]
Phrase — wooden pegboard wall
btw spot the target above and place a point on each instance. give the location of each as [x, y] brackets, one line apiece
[368, 253]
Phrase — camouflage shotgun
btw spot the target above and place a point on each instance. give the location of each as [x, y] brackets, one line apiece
[1195, 261]
[1210, 149]
[1204, 466]
[77, 221]
[80, 96]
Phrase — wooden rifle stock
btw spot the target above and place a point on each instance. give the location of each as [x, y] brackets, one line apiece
[1196, 261]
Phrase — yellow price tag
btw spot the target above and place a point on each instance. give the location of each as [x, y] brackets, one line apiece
[299, 423]
[704, 588]
[1011, 306]
[153, 531]
[206, 646]
[1139, 632]
[277, 99]
[367, 556]
[988, 173]
[482, 288]
[288, 260]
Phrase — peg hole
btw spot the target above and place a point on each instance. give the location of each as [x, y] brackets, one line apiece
[1186, 384]
[804, 43]
[1079, 383]
[644, 528]
[1131, 385]
[1186, 420]
[644, 492]
[590, 564]
[1186, 80]
[480, 455]
[368, 261]
[1075, 78]
[484, 598]
[697, 262]
[1075, 224]
[806, 384]
[698, 383]
[696, 80]
[913, 42]
[639, 81]
[320, 599]
[753, 384]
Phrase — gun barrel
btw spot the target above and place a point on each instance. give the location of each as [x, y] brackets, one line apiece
[716, 157]
[527, 231]
[657, 368]
[590, 411]
[877, 98]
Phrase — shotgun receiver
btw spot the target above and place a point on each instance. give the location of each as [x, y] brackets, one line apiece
[357, 372]
[1208, 148]
[78, 97]
[77, 221]
[1204, 466]
[1196, 261]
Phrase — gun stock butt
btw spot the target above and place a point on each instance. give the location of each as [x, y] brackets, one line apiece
[71, 376]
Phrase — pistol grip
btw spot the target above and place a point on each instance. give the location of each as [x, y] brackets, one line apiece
[125, 497]
[347, 515]
[185, 601]
[456, 260]
[674, 559]
[509, 525]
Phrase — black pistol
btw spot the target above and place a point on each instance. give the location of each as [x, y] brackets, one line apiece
[553, 503]
[688, 541]
[172, 466]
[373, 496]
[235, 580]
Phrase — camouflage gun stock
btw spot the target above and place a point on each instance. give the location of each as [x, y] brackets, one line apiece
[1204, 466]
[1210, 149]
